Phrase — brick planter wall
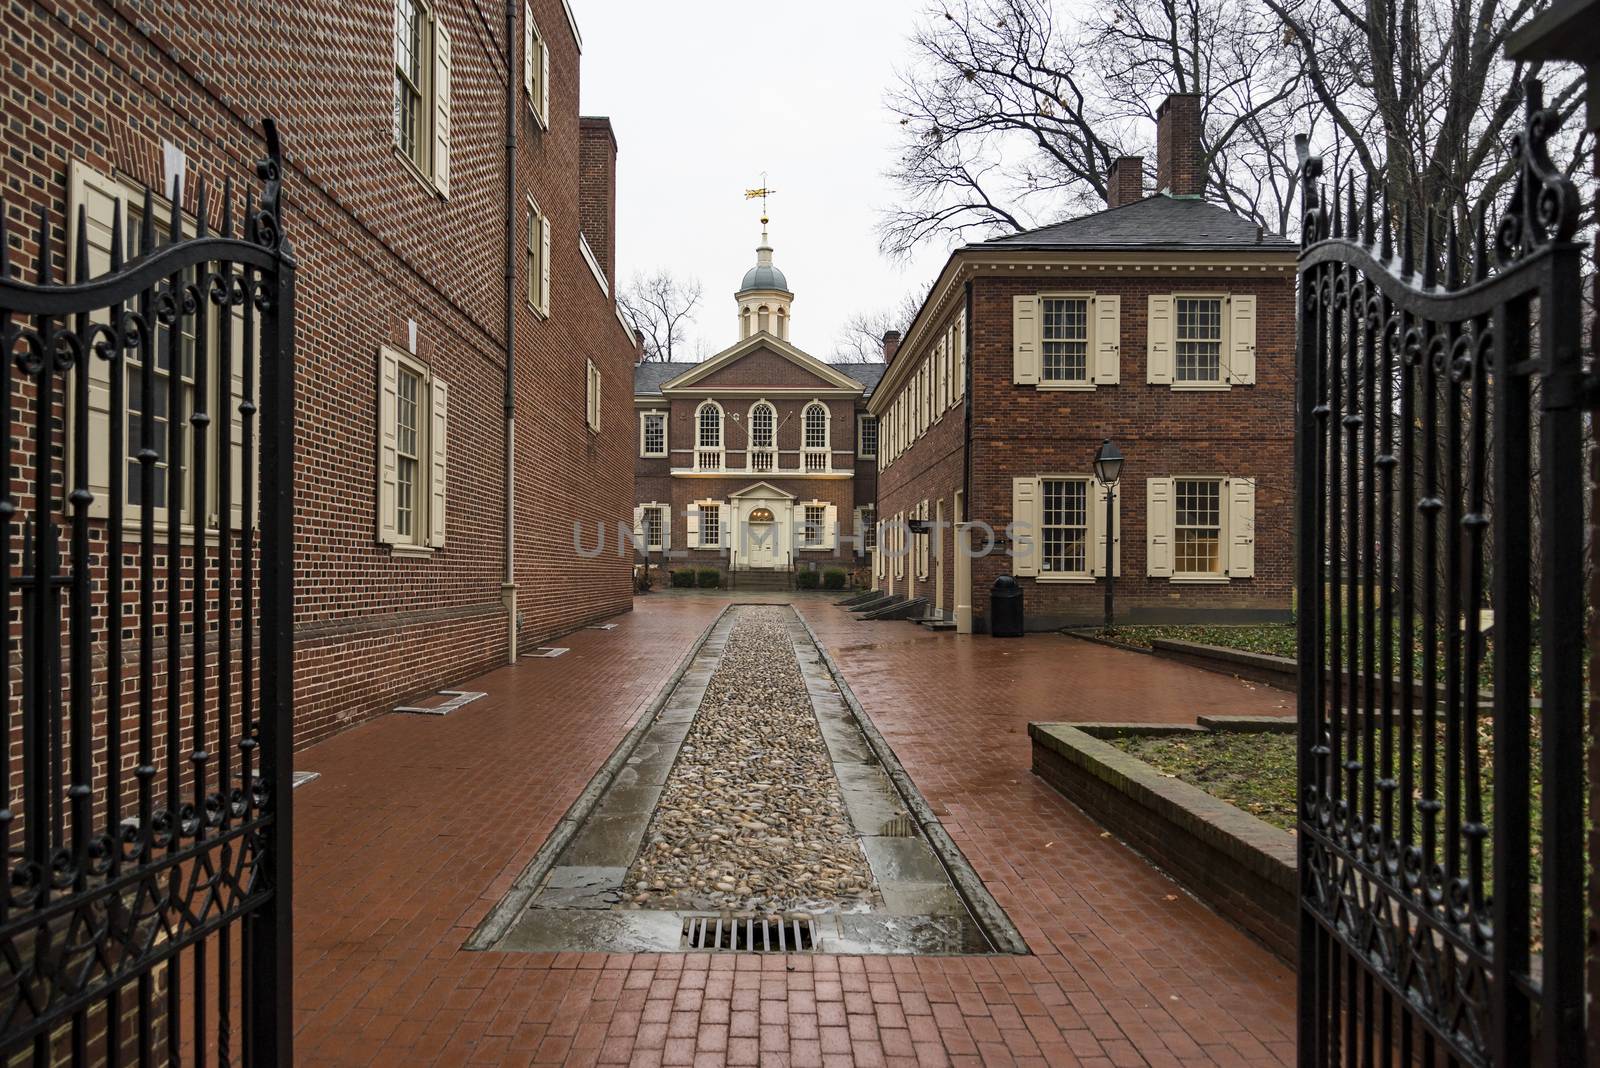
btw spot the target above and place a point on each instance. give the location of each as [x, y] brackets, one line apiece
[1239, 865]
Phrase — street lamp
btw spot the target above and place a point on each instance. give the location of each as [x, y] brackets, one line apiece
[1108, 468]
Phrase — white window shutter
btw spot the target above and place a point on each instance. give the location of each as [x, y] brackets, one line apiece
[1025, 340]
[438, 440]
[544, 264]
[692, 519]
[441, 107]
[1241, 527]
[388, 454]
[665, 512]
[236, 397]
[1158, 527]
[544, 85]
[1242, 339]
[97, 195]
[1159, 362]
[830, 527]
[638, 526]
[1025, 526]
[961, 354]
[528, 58]
[1097, 528]
[1107, 339]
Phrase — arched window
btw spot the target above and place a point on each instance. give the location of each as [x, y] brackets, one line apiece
[783, 324]
[763, 439]
[763, 320]
[815, 439]
[708, 439]
[744, 322]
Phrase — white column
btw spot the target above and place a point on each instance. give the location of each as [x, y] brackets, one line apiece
[963, 579]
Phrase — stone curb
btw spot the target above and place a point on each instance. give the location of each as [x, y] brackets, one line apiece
[504, 914]
[982, 904]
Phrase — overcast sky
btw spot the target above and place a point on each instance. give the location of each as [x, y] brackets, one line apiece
[707, 94]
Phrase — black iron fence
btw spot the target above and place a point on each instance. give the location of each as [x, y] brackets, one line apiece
[146, 529]
[1439, 456]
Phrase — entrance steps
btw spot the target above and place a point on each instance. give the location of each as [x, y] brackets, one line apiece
[936, 623]
[762, 581]
[882, 600]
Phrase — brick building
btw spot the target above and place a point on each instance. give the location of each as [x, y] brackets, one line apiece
[411, 572]
[760, 460]
[1163, 323]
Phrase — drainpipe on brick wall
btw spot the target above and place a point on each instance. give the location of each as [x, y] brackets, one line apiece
[963, 530]
[508, 587]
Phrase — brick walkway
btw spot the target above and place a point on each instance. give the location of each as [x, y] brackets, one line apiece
[419, 825]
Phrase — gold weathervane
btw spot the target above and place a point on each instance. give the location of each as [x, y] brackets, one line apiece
[763, 192]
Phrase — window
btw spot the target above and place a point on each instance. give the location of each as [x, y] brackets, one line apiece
[413, 408]
[535, 68]
[867, 527]
[653, 527]
[422, 91]
[710, 526]
[816, 520]
[763, 443]
[593, 405]
[536, 259]
[156, 415]
[1064, 526]
[1197, 526]
[816, 437]
[708, 439]
[653, 434]
[763, 320]
[744, 323]
[867, 437]
[1199, 339]
[1065, 356]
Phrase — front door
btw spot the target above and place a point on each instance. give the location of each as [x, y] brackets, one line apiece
[761, 539]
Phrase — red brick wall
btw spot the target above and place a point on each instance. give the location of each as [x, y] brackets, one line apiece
[377, 249]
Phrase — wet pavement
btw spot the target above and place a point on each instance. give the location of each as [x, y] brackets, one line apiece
[580, 898]
[419, 825]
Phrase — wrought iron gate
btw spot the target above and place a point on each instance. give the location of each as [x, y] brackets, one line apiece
[147, 589]
[1440, 479]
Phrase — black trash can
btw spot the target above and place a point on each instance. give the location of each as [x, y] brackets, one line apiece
[1005, 608]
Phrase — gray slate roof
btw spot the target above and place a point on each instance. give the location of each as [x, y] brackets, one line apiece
[1154, 222]
[648, 378]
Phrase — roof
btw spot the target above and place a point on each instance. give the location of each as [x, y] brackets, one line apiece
[648, 378]
[1159, 221]
[764, 276]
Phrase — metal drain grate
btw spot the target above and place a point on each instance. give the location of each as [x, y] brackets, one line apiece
[749, 934]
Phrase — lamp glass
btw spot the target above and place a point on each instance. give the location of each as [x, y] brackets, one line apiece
[1108, 462]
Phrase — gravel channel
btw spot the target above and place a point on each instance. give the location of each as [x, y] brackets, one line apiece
[751, 817]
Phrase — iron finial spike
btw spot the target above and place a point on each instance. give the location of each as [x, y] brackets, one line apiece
[1430, 252]
[116, 234]
[5, 242]
[81, 246]
[227, 206]
[175, 231]
[1370, 234]
[147, 231]
[1338, 209]
[1408, 251]
[250, 215]
[1452, 256]
[1388, 227]
[1480, 247]
[42, 264]
[200, 229]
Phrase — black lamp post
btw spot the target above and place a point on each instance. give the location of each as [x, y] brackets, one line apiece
[1108, 468]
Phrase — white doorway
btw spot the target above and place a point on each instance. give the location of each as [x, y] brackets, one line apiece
[761, 538]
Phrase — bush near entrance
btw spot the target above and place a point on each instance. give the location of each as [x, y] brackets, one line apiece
[806, 580]
[708, 578]
[833, 578]
[684, 579]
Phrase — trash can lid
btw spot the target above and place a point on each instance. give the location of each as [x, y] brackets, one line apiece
[1005, 582]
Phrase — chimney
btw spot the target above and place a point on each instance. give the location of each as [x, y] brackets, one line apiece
[1178, 169]
[1125, 181]
[891, 344]
[597, 192]
[638, 345]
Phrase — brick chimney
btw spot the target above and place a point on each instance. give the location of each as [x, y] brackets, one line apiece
[597, 191]
[1178, 169]
[1125, 181]
[891, 344]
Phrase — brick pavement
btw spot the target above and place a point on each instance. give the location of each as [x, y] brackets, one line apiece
[418, 826]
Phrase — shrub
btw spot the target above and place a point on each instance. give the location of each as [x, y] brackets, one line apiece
[708, 578]
[683, 580]
[806, 580]
[833, 578]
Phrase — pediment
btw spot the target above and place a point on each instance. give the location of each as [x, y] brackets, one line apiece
[762, 362]
[764, 491]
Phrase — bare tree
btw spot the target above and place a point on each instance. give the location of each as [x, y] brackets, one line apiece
[661, 306]
[1012, 113]
[860, 337]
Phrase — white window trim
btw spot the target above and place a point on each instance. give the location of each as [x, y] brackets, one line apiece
[541, 285]
[721, 447]
[594, 264]
[536, 70]
[435, 177]
[593, 387]
[644, 417]
[1202, 578]
[721, 525]
[665, 513]
[1088, 384]
[1087, 577]
[825, 450]
[1222, 384]
[877, 436]
[422, 535]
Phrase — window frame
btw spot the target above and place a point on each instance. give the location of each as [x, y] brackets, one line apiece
[720, 448]
[863, 420]
[1087, 382]
[1046, 573]
[1221, 381]
[535, 260]
[807, 449]
[420, 542]
[593, 390]
[1220, 574]
[644, 434]
[420, 155]
[663, 520]
[716, 526]
[536, 69]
